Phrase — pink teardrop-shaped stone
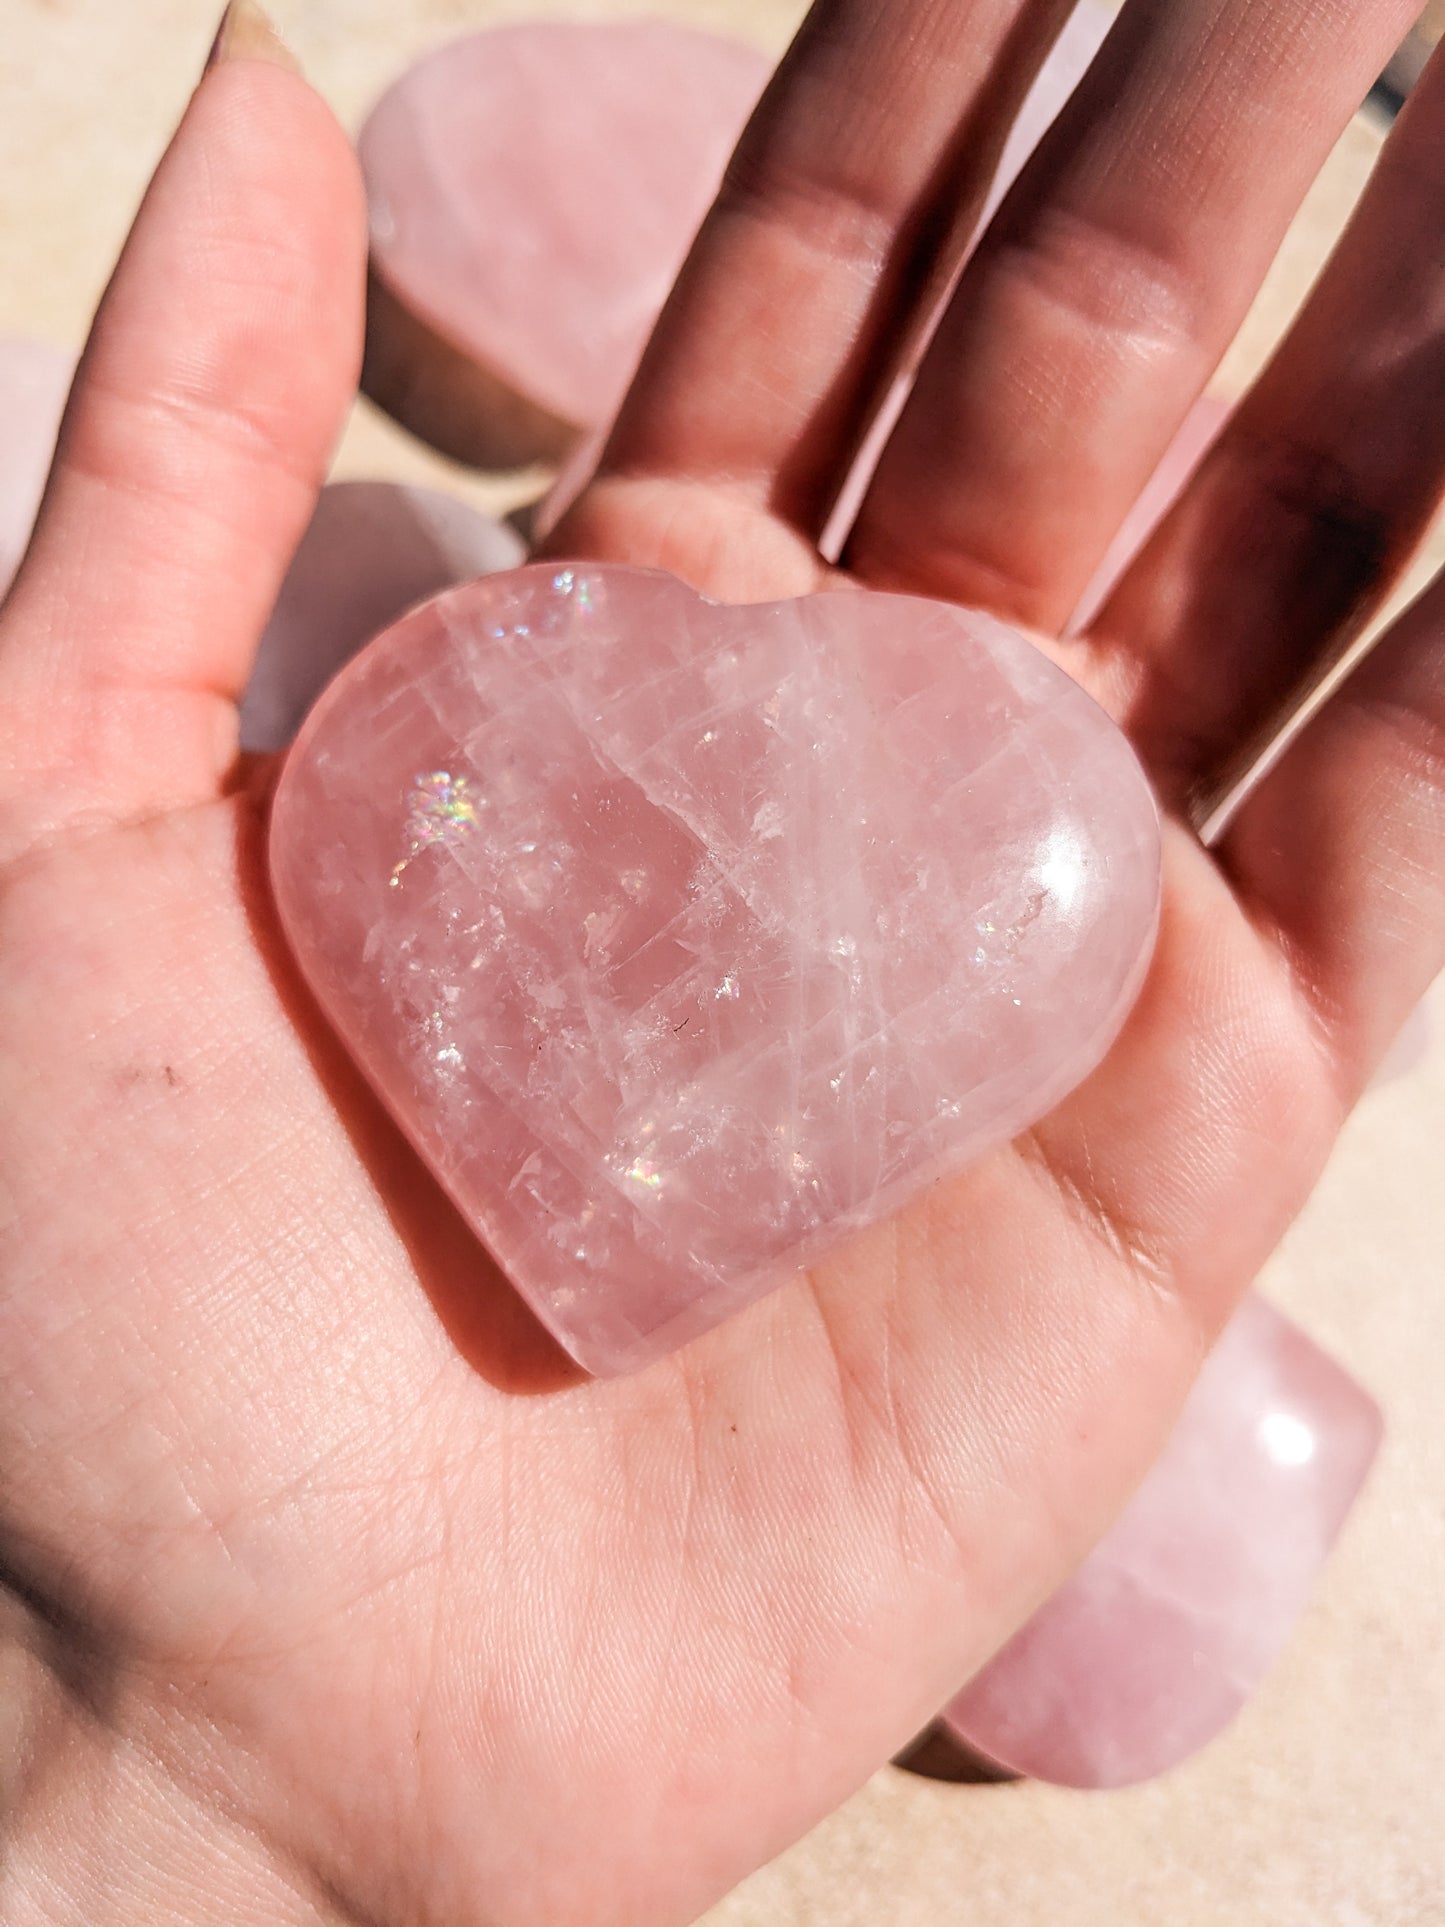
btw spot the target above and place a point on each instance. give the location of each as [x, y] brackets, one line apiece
[685, 940]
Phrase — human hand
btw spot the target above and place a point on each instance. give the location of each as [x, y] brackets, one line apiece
[332, 1593]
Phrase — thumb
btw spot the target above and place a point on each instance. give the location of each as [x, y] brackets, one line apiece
[217, 375]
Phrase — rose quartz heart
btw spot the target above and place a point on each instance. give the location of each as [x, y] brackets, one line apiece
[1176, 1616]
[685, 940]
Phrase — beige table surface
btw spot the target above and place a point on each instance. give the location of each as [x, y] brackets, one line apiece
[1323, 1806]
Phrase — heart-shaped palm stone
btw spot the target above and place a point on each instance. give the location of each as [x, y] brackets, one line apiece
[685, 940]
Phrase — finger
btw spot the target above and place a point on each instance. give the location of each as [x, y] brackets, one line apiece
[214, 383]
[862, 169]
[1311, 500]
[1341, 847]
[1100, 300]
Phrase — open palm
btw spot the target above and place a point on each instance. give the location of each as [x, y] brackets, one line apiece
[332, 1591]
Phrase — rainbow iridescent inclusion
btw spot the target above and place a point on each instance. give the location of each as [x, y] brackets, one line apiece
[440, 811]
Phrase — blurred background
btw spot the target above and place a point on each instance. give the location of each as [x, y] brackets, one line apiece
[1321, 1806]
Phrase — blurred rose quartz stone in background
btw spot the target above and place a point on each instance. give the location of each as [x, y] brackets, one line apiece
[34, 381]
[533, 192]
[372, 550]
[1174, 1619]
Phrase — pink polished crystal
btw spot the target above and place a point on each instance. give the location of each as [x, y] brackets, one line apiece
[534, 189]
[34, 381]
[1173, 1620]
[684, 940]
[372, 550]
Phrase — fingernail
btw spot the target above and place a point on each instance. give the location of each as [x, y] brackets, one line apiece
[246, 33]
[1173, 1621]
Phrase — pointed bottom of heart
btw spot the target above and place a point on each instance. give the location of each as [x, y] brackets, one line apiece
[1172, 1622]
[684, 941]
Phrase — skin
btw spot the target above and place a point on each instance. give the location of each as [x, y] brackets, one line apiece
[331, 1593]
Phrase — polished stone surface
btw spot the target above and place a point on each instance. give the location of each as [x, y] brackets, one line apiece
[371, 551]
[684, 940]
[534, 189]
[1174, 1619]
